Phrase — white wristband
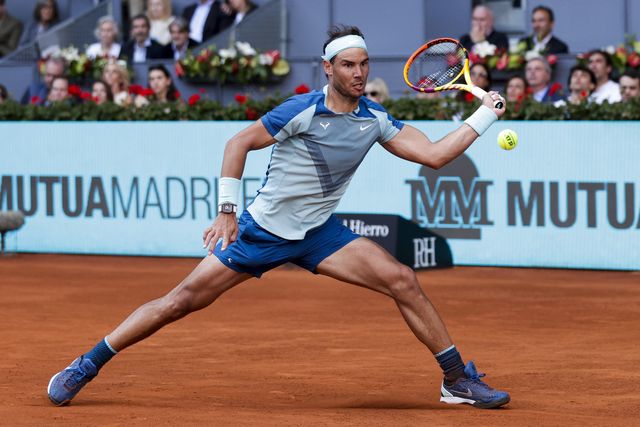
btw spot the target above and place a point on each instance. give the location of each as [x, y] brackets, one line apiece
[228, 189]
[481, 119]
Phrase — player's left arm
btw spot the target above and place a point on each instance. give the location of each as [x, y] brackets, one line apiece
[413, 145]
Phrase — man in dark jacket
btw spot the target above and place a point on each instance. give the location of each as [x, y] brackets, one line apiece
[141, 47]
[10, 30]
[207, 18]
[482, 30]
[542, 39]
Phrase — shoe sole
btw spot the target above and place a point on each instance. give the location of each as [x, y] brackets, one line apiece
[452, 400]
[49, 392]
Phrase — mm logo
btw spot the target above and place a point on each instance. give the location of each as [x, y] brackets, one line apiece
[452, 201]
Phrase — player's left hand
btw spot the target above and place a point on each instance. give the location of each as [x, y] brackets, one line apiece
[224, 227]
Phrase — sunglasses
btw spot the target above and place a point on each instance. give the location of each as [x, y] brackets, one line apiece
[372, 93]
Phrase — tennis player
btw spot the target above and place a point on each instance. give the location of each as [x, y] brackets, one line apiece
[318, 140]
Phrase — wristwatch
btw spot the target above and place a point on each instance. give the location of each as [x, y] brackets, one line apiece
[227, 208]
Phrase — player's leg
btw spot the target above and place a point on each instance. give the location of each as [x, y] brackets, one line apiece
[362, 262]
[204, 285]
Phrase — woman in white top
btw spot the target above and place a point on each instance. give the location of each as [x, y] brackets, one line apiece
[107, 32]
[115, 74]
[159, 13]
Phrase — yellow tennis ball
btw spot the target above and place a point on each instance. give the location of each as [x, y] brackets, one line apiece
[507, 139]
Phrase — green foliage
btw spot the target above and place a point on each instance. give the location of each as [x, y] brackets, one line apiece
[442, 108]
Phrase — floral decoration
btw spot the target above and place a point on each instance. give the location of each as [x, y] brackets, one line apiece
[500, 59]
[79, 66]
[624, 56]
[240, 63]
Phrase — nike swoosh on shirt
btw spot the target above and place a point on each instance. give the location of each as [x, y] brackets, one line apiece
[363, 127]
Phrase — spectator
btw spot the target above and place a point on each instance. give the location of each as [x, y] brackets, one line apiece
[542, 40]
[180, 41]
[516, 88]
[481, 77]
[206, 18]
[45, 16]
[376, 90]
[38, 91]
[629, 86]
[115, 74]
[239, 10]
[606, 89]
[101, 92]
[538, 75]
[59, 91]
[160, 17]
[141, 47]
[581, 82]
[161, 84]
[482, 30]
[4, 94]
[10, 30]
[107, 33]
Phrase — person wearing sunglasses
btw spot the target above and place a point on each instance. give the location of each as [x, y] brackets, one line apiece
[377, 90]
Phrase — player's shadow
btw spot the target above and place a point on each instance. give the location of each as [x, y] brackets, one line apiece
[388, 404]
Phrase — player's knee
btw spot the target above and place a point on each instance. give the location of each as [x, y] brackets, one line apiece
[404, 284]
[177, 306]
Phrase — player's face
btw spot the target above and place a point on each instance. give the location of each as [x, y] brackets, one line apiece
[541, 24]
[629, 88]
[348, 73]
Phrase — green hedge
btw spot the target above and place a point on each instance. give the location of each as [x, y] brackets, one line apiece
[444, 108]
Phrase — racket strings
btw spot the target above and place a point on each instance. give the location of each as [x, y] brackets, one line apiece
[437, 66]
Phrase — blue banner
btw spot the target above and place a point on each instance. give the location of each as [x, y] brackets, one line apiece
[567, 196]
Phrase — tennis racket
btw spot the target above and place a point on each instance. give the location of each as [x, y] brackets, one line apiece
[437, 65]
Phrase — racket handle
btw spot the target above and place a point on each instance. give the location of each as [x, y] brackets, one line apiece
[480, 93]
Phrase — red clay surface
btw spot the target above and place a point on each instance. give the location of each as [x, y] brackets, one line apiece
[298, 349]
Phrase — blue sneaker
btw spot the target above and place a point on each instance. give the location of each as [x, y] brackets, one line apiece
[64, 385]
[473, 391]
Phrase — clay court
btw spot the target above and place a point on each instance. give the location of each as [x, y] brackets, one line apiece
[294, 349]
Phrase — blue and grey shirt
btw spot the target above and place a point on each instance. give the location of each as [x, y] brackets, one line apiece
[315, 156]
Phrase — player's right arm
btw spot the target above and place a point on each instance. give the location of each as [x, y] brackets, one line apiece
[254, 137]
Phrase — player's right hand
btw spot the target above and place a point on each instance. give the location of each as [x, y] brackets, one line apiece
[224, 227]
[491, 98]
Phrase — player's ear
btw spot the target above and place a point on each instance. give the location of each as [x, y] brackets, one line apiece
[328, 68]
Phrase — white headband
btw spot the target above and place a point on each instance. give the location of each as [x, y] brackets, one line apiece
[342, 43]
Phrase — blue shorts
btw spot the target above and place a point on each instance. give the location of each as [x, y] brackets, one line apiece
[257, 251]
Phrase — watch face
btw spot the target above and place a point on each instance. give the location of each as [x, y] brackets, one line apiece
[227, 208]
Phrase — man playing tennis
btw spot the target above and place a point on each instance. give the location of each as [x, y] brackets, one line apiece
[318, 140]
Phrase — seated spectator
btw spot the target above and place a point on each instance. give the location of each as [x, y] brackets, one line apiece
[107, 33]
[160, 17]
[481, 77]
[4, 94]
[239, 10]
[101, 92]
[606, 89]
[45, 16]
[38, 91]
[59, 91]
[115, 74]
[581, 83]
[161, 84]
[516, 89]
[180, 41]
[376, 90]
[10, 31]
[206, 18]
[141, 47]
[542, 40]
[629, 86]
[482, 30]
[538, 75]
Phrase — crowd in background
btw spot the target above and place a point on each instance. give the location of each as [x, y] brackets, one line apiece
[154, 32]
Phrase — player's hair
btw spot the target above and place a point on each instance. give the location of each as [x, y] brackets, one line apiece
[337, 31]
[546, 9]
[580, 67]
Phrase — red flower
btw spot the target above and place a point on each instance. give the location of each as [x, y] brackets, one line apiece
[177, 94]
[468, 96]
[193, 99]
[135, 89]
[251, 113]
[583, 94]
[634, 60]
[274, 54]
[240, 98]
[85, 96]
[520, 97]
[502, 62]
[179, 69]
[35, 100]
[474, 58]
[146, 92]
[95, 99]
[74, 90]
[554, 88]
[552, 59]
[303, 88]
[202, 90]
[529, 91]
